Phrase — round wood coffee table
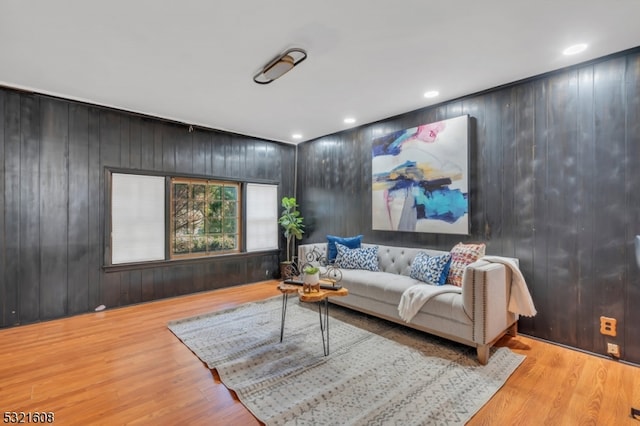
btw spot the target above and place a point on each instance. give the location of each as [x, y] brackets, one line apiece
[320, 297]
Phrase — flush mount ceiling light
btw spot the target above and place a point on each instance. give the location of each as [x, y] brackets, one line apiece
[280, 65]
[431, 94]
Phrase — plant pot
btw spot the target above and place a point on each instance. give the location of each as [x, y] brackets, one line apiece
[311, 282]
[311, 279]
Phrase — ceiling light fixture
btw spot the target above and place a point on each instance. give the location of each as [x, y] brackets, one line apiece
[349, 120]
[280, 65]
[431, 94]
[296, 136]
[575, 49]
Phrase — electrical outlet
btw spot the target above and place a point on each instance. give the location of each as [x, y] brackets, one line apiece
[266, 273]
[613, 350]
[608, 326]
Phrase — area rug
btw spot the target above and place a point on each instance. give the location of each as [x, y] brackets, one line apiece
[377, 372]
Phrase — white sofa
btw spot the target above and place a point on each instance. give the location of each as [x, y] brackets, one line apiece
[476, 314]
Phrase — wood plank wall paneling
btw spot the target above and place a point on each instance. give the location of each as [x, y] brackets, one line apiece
[52, 203]
[11, 208]
[632, 289]
[555, 182]
[78, 208]
[4, 318]
[30, 195]
[585, 217]
[54, 208]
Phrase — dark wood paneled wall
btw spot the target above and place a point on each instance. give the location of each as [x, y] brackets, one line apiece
[53, 154]
[555, 182]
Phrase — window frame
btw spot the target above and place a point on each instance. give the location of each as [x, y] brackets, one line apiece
[107, 264]
[239, 216]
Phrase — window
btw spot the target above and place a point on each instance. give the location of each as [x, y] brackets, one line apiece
[262, 217]
[137, 218]
[205, 217]
[156, 218]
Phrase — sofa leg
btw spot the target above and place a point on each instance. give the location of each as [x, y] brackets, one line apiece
[513, 330]
[483, 354]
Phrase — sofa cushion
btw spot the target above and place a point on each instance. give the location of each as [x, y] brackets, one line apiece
[430, 269]
[377, 285]
[384, 289]
[350, 242]
[360, 258]
[461, 256]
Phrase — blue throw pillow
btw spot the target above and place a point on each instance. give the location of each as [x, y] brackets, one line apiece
[350, 242]
[359, 258]
[430, 269]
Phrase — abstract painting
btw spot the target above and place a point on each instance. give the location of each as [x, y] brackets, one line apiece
[421, 178]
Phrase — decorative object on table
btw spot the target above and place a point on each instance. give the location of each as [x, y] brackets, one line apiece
[420, 178]
[425, 378]
[292, 225]
[311, 279]
[330, 273]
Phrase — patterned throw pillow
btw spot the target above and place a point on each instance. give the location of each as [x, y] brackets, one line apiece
[350, 242]
[461, 256]
[430, 269]
[360, 258]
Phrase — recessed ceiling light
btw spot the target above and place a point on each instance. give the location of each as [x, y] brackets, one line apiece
[431, 94]
[349, 120]
[296, 136]
[575, 49]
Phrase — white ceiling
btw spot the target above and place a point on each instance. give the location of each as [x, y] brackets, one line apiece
[193, 61]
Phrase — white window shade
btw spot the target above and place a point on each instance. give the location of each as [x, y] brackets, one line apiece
[137, 218]
[262, 217]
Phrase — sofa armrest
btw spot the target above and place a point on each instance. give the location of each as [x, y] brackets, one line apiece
[485, 291]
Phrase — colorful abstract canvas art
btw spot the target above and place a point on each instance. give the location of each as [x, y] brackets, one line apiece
[421, 178]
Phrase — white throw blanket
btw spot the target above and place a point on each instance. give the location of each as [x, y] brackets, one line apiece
[414, 298]
[520, 301]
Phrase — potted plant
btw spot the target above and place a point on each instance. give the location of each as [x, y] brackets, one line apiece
[311, 279]
[292, 224]
[311, 274]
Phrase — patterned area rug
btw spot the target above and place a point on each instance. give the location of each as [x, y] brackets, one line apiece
[377, 373]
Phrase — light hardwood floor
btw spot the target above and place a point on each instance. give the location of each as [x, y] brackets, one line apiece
[123, 366]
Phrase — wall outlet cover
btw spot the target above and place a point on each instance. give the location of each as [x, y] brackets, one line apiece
[608, 326]
[613, 350]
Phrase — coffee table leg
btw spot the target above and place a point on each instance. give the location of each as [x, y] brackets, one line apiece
[324, 324]
[285, 297]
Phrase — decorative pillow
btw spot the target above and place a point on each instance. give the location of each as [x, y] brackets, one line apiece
[430, 269]
[461, 256]
[350, 242]
[359, 258]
